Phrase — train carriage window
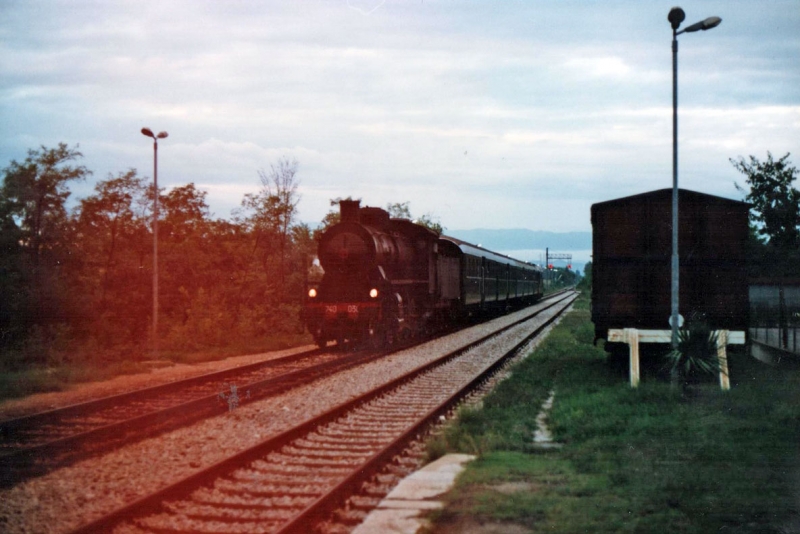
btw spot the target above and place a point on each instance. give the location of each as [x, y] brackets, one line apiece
[473, 267]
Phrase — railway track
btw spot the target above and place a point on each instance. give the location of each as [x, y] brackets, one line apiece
[39, 443]
[36, 444]
[291, 481]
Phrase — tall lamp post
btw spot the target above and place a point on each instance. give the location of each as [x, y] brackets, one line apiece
[675, 17]
[162, 135]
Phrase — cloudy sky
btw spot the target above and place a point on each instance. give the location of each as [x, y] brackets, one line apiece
[485, 114]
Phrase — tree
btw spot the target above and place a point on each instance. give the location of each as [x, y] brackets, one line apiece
[113, 240]
[585, 283]
[108, 220]
[272, 213]
[401, 210]
[331, 218]
[428, 222]
[35, 241]
[189, 265]
[34, 196]
[776, 203]
[279, 187]
[185, 212]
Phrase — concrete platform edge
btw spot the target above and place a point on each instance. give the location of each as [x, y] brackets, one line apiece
[400, 512]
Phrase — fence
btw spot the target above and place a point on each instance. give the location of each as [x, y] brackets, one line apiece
[775, 315]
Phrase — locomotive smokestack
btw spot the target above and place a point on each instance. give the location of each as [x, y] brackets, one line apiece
[348, 210]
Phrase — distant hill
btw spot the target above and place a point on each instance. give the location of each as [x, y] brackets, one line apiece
[520, 238]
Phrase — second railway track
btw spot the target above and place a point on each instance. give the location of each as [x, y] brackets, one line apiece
[41, 442]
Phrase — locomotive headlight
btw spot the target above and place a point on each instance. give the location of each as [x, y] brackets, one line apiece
[373, 293]
[312, 293]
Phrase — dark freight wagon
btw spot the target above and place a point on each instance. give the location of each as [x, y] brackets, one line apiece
[631, 263]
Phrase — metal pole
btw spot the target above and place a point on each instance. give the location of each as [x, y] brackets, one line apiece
[675, 260]
[783, 320]
[155, 248]
[546, 266]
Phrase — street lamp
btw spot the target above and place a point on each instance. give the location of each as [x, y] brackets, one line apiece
[162, 135]
[675, 17]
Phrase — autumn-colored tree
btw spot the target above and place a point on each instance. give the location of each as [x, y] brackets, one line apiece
[34, 296]
[186, 262]
[83, 279]
[269, 216]
[112, 231]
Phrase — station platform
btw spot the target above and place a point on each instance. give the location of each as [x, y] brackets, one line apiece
[402, 510]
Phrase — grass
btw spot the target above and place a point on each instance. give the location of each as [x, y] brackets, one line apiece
[652, 459]
[20, 383]
[61, 374]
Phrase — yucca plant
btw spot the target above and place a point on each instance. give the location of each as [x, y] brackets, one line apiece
[696, 352]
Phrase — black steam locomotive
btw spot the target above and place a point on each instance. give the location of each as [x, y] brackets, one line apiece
[385, 279]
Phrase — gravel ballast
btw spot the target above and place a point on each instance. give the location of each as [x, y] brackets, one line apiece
[64, 499]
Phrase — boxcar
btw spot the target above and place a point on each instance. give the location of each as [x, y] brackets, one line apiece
[631, 263]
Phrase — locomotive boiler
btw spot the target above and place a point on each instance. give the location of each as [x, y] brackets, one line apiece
[387, 278]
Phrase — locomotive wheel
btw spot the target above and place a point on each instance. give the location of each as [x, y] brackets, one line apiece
[385, 334]
[375, 339]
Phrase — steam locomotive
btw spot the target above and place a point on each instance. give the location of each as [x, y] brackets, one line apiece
[386, 279]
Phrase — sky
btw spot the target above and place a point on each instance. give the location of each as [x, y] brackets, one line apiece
[513, 114]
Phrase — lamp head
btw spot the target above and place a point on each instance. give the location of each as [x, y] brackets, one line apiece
[675, 17]
[162, 135]
[707, 24]
[148, 132]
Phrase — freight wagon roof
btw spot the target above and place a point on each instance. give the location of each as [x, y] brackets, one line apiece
[477, 250]
[682, 193]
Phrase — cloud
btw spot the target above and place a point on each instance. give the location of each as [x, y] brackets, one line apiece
[519, 114]
[600, 67]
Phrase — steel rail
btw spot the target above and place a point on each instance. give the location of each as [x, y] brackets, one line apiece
[23, 462]
[8, 426]
[336, 498]
[152, 503]
[36, 460]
